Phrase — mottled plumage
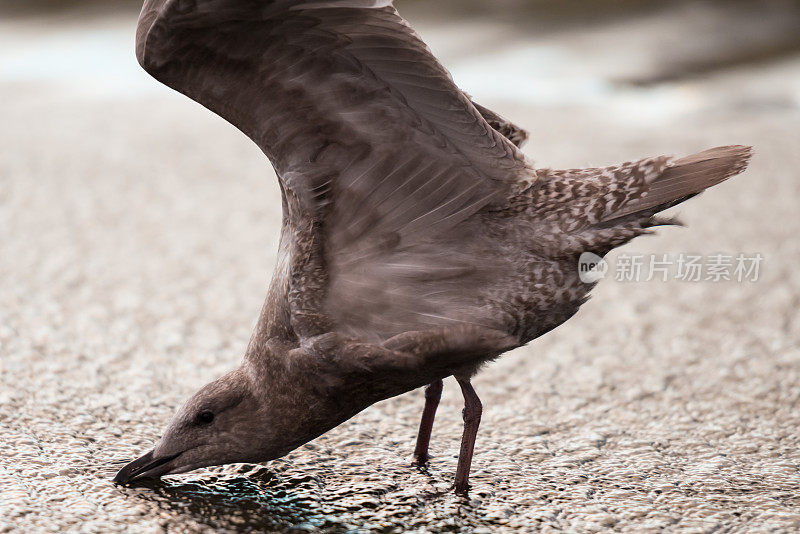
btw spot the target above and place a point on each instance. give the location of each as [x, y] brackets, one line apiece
[418, 242]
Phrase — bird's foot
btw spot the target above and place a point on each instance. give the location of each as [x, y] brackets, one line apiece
[462, 488]
[420, 460]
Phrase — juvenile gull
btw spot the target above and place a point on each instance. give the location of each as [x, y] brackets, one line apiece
[417, 243]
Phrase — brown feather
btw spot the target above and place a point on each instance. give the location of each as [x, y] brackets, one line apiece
[685, 177]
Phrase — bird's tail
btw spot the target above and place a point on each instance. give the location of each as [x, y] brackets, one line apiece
[684, 178]
[600, 209]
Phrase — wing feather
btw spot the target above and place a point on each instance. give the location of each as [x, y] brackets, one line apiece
[367, 133]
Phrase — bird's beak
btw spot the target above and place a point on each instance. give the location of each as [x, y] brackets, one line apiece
[148, 466]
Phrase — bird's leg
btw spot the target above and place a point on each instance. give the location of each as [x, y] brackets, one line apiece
[472, 420]
[433, 392]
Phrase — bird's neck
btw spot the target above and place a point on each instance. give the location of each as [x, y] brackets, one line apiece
[310, 399]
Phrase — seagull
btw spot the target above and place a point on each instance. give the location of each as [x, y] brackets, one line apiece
[418, 242]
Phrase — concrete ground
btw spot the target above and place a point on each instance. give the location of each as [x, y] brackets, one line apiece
[138, 234]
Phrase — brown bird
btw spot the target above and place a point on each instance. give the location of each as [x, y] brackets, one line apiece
[418, 242]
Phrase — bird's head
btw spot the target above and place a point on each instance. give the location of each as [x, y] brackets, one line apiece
[278, 399]
[230, 420]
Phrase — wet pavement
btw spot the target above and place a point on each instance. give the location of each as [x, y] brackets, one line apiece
[138, 233]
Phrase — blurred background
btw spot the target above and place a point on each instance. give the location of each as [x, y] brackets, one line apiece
[636, 56]
[138, 233]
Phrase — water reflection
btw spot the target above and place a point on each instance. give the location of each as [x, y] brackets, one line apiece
[280, 498]
[255, 498]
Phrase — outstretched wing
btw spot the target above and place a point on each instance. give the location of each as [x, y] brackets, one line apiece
[380, 156]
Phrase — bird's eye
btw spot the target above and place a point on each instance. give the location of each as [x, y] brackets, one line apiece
[205, 417]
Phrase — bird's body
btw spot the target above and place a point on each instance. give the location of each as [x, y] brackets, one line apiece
[418, 242]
